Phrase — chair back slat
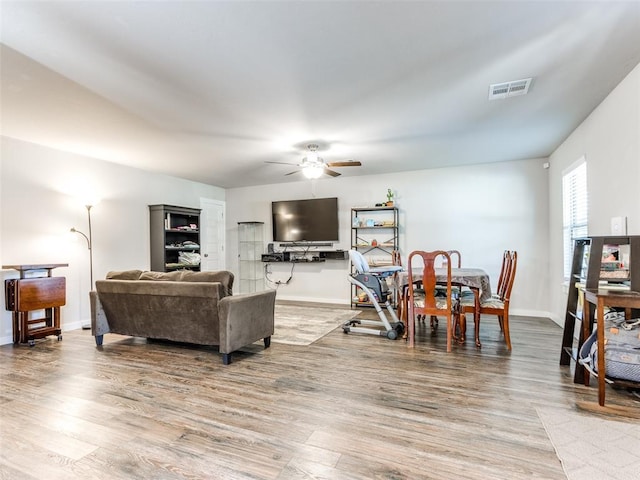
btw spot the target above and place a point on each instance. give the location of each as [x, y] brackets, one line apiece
[507, 274]
[513, 262]
[503, 273]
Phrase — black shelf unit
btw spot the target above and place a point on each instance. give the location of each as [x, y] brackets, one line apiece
[374, 231]
[170, 227]
[587, 269]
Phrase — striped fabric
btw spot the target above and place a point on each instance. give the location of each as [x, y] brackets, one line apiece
[493, 302]
[441, 302]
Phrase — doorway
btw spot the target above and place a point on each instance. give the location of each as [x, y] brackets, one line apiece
[212, 235]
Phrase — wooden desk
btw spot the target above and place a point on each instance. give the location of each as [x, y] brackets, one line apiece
[25, 295]
[611, 298]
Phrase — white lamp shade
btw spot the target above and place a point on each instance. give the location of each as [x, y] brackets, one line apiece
[313, 171]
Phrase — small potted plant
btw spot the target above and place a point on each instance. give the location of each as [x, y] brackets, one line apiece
[389, 198]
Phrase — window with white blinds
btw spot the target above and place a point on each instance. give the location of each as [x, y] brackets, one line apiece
[574, 205]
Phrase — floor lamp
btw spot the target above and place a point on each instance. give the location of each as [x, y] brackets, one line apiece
[89, 240]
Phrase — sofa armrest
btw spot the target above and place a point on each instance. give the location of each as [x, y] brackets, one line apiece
[245, 319]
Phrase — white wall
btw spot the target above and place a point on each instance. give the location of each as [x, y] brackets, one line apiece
[610, 141]
[480, 210]
[39, 204]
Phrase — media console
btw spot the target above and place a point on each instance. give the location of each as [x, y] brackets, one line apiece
[276, 257]
[305, 256]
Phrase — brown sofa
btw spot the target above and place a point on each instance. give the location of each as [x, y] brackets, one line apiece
[182, 306]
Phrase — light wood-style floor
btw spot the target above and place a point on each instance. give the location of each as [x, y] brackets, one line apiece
[347, 407]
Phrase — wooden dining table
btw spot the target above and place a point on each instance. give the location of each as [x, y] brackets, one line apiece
[476, 279]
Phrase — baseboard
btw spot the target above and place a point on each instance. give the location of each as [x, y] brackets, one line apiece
[292, 298]
[343, 301]
[523, 312]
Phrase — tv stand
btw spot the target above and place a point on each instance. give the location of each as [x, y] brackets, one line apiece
[306, 244]
[305, 256]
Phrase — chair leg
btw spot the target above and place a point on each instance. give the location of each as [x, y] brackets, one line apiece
[501, 322]
[411, 326]
[505, 323]
[455, 328]
[434, 322]
[450, 326]
[459, 326]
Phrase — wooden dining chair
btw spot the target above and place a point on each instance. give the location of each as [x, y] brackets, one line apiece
[456, 258]
[422, 299]
[498, 304]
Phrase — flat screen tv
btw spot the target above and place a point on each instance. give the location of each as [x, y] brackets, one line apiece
[312, 220]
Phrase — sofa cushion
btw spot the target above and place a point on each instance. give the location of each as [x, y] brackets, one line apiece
[223, 276]
[124, 275]
[162, 276]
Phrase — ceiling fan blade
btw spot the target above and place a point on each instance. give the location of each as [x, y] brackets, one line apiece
[291, 173]
[280, 163]
[331, 172]
[348, 163]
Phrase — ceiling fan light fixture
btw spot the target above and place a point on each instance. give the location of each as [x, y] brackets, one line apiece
[313, 154]
[313, 171]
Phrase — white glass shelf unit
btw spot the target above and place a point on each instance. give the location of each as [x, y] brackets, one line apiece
[250, 249]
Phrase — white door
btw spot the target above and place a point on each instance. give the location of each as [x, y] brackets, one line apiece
[212, 231]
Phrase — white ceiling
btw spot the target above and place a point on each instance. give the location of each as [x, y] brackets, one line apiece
[210, 90]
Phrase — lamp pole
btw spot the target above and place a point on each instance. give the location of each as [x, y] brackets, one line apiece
[89, 240]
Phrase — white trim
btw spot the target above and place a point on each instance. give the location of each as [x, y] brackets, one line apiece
[574, 165]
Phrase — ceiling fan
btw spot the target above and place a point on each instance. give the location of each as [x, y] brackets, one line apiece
[313, 166]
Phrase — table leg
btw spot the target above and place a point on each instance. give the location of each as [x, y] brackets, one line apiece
[24, 326]
[463, 327]
[56, 317]
[476, 315]
[601, 367]
[411, 323]
[16, 327]
[586, 331]
[461, 321]
[407, 317]
[401, 310]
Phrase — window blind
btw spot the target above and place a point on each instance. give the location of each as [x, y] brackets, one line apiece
[575, 210]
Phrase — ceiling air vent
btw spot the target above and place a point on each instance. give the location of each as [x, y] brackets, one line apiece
[509, 89]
